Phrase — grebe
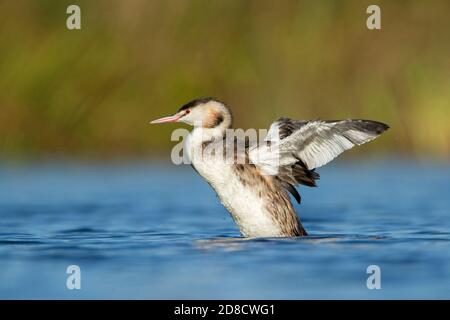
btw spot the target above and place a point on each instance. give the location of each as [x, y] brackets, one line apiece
[259, 202]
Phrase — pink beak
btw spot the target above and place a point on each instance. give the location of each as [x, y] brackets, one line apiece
[173, 118]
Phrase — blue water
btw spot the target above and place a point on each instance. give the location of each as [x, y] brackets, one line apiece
[145, 230]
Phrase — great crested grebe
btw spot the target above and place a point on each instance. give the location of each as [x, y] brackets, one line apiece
[259, 202]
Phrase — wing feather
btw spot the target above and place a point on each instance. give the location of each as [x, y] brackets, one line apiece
[318, 142]
[296, 148]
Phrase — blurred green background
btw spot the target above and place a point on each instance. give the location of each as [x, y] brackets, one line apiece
[91, 92]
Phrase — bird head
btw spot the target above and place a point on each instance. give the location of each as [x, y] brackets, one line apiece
[205, 112]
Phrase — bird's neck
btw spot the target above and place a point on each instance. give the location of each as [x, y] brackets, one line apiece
[222, 123]
[208, 132]
[202, 134]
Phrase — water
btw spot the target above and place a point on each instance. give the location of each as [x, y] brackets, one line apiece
[153, 231]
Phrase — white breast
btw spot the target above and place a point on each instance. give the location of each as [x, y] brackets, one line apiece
[244, 204]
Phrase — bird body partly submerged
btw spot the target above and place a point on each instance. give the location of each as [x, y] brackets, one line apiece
[258, 203]
[256, 191]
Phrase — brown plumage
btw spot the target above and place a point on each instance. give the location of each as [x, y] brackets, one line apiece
[277, 199]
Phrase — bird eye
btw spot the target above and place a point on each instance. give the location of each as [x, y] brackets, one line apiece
[188, 111]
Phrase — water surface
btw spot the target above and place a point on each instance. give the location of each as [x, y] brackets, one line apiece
[145, 230]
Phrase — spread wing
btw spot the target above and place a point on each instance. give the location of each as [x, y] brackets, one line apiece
[299, 147]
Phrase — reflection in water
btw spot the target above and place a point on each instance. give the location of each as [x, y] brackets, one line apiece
[240, 243]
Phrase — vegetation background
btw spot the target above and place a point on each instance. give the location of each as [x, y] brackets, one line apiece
[91, 92]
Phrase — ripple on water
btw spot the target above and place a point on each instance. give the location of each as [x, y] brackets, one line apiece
[134, 237]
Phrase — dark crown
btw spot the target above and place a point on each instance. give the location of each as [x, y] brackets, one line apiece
[196, 102]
